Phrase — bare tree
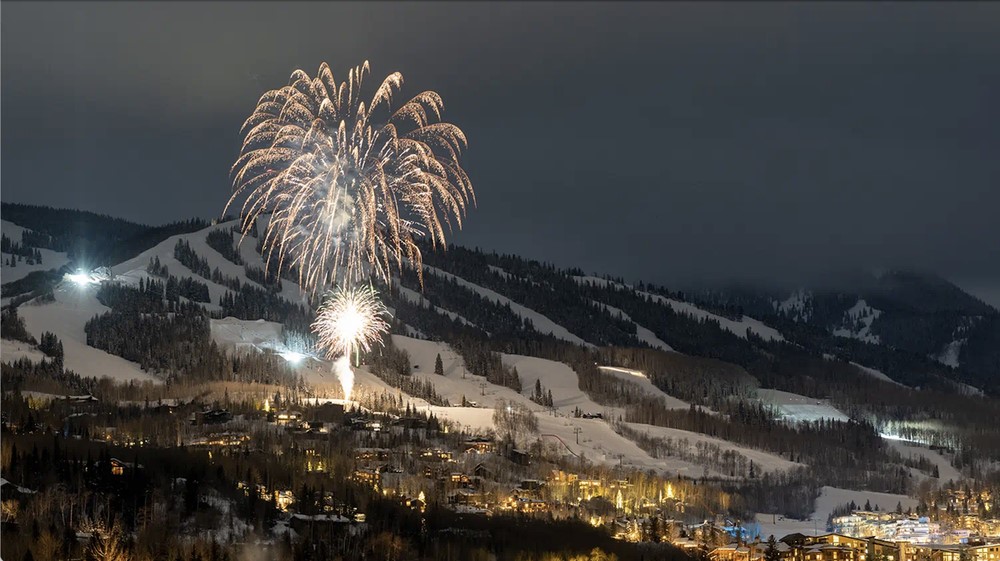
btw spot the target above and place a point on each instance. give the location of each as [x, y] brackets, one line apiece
[107, 541]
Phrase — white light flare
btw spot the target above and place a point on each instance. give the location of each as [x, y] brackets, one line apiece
[293, 357]
[80, 278]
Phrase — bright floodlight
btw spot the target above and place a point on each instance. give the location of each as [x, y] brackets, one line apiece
[79, 278]
[293, 357]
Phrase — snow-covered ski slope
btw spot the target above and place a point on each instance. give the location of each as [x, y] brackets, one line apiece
[245, 335]
[416, 298]
[136, 267]
[763, 461]
[12, 351]
[861, 316]
[641, 333]
[737, 327]
[799, 408]
[946, 470]
[597, 439]
[829, 499]
[74, 305]
[541, 323]
[50, 259]
[643, 382]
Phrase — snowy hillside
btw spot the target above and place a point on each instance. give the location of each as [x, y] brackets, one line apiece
[598, 441]
[949, 355]
[642, 333]
[946, 470]
[50, 259]
[244, 335]
[415, 297]
[796, 306]
[604, 440]
[763, 461]
[799, 408]
[830, 498]
[737, 327]
[876, 374]
[641, 380]
[541, 323]
[16, 350]
[136, 266]
[857, 323]
[74, 305]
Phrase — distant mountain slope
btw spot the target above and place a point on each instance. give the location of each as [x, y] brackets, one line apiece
[76, 238]
[901, 322]
[532, 334]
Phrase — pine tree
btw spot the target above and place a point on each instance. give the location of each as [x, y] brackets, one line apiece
[772, 553]
[438, 365]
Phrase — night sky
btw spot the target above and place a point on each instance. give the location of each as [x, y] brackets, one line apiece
[671, 142]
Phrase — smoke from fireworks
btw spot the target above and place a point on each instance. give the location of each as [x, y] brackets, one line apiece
[350, 186]
[351, 320]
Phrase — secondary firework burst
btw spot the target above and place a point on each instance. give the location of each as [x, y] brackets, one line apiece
[349, 321]
[350, 186]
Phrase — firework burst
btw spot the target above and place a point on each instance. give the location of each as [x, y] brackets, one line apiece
[349, 194]
[351, 320]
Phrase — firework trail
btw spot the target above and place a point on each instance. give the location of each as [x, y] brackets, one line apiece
[350, 186]
[351, 320]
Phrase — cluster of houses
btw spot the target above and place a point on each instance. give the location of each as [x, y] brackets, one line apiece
[913, 529]
[841, 547]
[462, 474]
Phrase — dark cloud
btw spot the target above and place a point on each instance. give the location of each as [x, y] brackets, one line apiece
[667, 141]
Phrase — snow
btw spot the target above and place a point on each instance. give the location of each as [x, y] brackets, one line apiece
[876, 374]
[640, 379]
[763, 461]
[40, 396]
[457, 380]
[736, 327]
[832, 497]
[501, 272]
[829, 499]
[239, 335]
[414, 297]
[598, 281]
[13, 231]
[414, 332]
[778, 526]
[75, 305]
[555, 376]
[11, 351]
[50, 259]
[966, 389]
[863, 313]
[946, 470]
[20, 489]
[643, 334]
[541, 323]
[136, 267]
[796, 306]
[949, 355]
[799, 408]
[598, 440]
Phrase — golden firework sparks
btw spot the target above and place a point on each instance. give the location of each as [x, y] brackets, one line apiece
[349, 194]
[350, 320]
